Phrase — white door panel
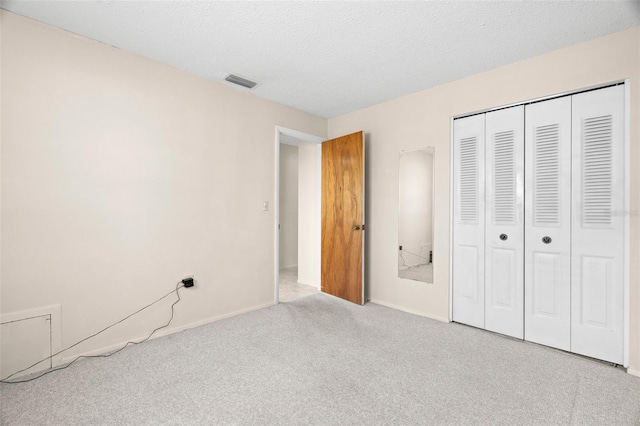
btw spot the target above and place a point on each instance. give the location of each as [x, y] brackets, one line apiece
[596, 288]
[548, 223]
[502, 288]
[468, 211]
[597, 307]
[546, 294]
[504, 139]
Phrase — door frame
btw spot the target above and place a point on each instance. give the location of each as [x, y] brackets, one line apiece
[306, 137]
[627, 195]
[626, 265]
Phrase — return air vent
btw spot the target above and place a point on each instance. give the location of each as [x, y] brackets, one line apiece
[231, 78]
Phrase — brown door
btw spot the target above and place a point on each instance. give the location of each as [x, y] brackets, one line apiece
[343, 217]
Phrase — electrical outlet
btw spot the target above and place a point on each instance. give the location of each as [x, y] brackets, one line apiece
[399, 247]
[188, 282]
[265, 206]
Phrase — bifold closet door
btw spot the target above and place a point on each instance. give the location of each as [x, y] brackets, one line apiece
[504, 222]
[468, 227]
[548, 223]
[597, 299]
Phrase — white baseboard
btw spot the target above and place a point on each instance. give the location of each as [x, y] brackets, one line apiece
[166, 332]
[633, 372]
[411, 311]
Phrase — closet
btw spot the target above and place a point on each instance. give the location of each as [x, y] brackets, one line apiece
[538, 224]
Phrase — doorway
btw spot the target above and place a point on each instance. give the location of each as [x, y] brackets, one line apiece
[298, 214]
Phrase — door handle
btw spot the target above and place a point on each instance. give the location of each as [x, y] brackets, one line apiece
[356, 227]
[546, 240]
[503, 237]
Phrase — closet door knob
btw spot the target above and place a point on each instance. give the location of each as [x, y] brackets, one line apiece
[356, 227]
[546, 240]
[503, 237]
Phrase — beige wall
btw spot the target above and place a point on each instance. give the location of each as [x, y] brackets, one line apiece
[120, 176]
[288, 206]
[423, 119]
[309, 213]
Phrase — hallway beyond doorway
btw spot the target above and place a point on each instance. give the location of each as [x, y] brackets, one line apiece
[290, 289]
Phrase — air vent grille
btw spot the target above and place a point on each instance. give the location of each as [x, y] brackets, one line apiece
[597, 163]
[231, 78]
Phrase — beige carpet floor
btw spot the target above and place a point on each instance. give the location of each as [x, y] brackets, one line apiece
[320, 360]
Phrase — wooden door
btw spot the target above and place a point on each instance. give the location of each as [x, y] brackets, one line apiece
[468, 220]
[343, 217]
[504, 221]
[548, 223]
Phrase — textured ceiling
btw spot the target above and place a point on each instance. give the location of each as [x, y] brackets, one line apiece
[329, 58]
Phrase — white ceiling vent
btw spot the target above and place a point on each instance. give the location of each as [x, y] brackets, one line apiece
[231, 78]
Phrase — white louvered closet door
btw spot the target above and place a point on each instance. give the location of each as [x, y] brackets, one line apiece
[504, 229]
[548, 223]
[468, 233]
[597, 299]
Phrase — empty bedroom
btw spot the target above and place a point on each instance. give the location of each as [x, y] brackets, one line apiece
[309, 212]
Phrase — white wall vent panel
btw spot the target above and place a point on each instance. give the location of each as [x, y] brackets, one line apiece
[28, 337]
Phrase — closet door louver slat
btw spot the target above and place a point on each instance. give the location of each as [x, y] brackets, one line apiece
[546, 175]
[597, 171]
[469, 180]
[504, 184]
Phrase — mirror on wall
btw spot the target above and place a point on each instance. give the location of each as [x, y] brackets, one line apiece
[415, 218]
